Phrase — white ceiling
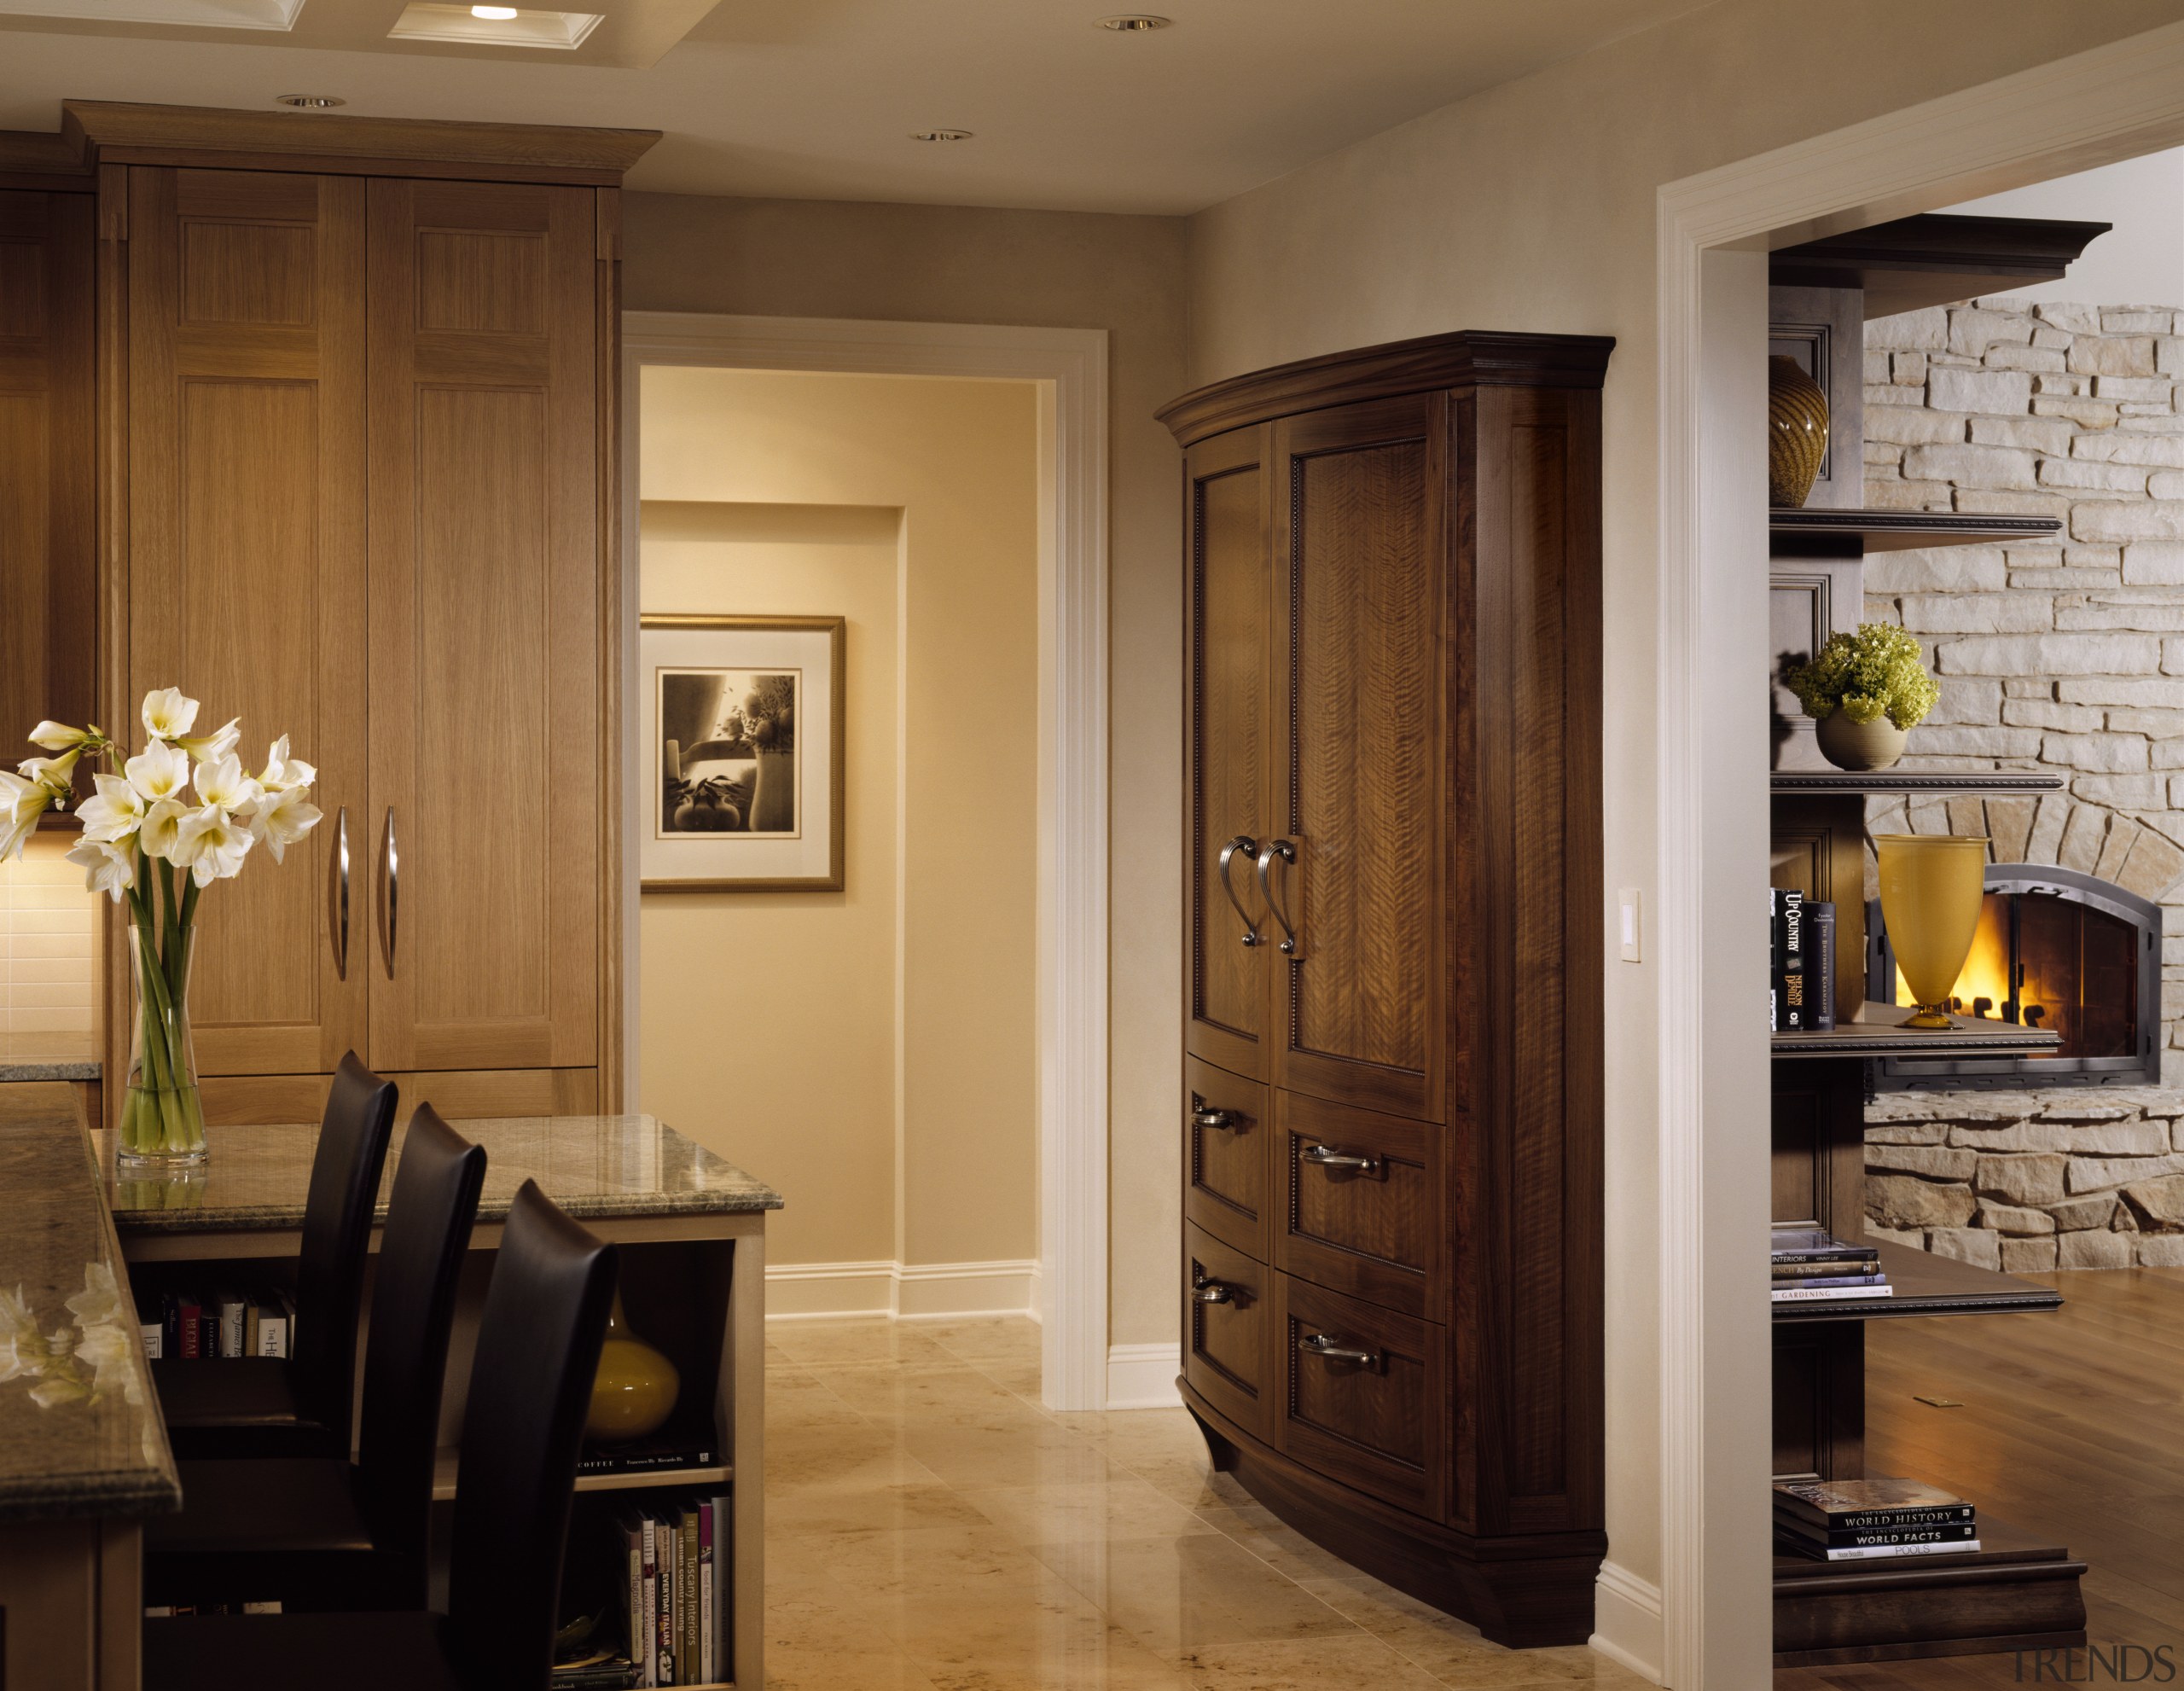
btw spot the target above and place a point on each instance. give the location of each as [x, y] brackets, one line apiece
[817, 98]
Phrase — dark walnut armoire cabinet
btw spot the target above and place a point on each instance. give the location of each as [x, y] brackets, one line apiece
[1392, 1108]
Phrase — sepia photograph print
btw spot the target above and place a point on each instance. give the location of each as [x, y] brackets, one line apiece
[740, 729]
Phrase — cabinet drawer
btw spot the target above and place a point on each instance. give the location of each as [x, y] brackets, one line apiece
[1225, 1320]
[1226, 1129]
[1363, 1395]
[1359, 1206]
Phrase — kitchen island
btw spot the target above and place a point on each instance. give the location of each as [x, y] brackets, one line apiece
[691, 1227]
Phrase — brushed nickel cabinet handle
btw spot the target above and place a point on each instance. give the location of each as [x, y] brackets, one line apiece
[337, 893]
[1285, 851]
[1213, 1291]
[1245, 844]
[1329, 1349]
[390, 891]
[1326, 1157]
[1223, 1121]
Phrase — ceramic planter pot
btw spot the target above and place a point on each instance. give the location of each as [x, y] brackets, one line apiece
[1849, 745]
[1797, 432]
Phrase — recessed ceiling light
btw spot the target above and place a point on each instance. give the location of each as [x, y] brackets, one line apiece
[495, 14]
[309, 102]
[494, 26]
[1134, 23]
[940, 134]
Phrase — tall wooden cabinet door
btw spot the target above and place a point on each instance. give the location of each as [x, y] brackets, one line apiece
[486, 787]
[246, 482]
[1355, 872]
[49, 511]
[1229, 754]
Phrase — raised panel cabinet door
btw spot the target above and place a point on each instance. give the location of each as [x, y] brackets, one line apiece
[1354, 872]
[246, 490]
[1227, 1125]
[486, 809]
[1228, 753]
[1228, 1302]
[49, 510]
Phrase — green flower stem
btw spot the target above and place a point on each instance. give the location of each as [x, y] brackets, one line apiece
[162, 1110]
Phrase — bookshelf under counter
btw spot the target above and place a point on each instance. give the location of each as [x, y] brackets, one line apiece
[1923, 1284]
[690, 1229]
[1877, 1031]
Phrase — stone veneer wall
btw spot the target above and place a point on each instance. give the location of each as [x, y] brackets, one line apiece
[2069, 654]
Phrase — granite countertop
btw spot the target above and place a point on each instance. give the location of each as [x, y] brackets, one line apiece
[79, 1427]
[593, 1166]
[49, 1056]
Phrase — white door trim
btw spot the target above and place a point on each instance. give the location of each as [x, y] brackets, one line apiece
[2113, 102]
[1070, 366]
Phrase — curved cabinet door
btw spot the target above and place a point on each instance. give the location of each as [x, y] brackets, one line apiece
[1362, 631]
[1227, 1311]
[1228, 753]
[1227, 1125]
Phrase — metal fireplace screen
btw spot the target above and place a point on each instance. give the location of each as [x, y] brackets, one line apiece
[2055, 949]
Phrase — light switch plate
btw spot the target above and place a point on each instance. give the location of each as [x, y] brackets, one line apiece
[1629, 927]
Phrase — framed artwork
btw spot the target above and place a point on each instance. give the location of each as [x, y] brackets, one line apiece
[740, 724]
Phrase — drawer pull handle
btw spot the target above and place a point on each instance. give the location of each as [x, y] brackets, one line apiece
[1328, 1158]
[1329, 1348]
[1224, 1121]
[1243, 845]
[1213, 1291]
[1284, 850]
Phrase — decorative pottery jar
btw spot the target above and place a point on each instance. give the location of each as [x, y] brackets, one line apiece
[1796, 431]
[1848, 745]
[634, 1390]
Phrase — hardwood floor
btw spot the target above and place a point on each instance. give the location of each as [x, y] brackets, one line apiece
[2071, 1424]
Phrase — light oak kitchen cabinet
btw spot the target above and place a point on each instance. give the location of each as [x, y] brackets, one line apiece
[358, 386]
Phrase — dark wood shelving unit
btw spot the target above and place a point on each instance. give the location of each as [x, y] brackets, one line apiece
[2021, 1590]
[1952, 783]
[1818, 531]
[1877, 1031]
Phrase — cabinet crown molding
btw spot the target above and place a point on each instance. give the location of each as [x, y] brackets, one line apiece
[1466, 359]
[102, 131]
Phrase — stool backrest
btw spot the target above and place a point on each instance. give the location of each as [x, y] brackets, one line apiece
[345, 1174]
[428, 1222]
[530, 1382]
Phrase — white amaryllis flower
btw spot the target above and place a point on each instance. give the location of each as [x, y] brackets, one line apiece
[57, 773]
[223, 785]
[108, 868]
[22, 1351]
[159, 772]
[105, 1349]
[21, 803]
[169, 713]
[211, 845]
[160, 832]
[115, 813]
[210, 748]
[282, 818]
[57, 736]
[101, 1299]
[283, 771]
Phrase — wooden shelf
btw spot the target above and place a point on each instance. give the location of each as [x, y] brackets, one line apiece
[1927, 1285]
[717, 1473]
[1877, 1031]
[1954, 782]
[1814, 530]
[1934, 259]
[2019, 1591]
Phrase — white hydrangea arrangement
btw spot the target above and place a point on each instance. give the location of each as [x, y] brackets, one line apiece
[182, 814]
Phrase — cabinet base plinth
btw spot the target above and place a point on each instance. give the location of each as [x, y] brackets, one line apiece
[2019, 1592]
[1522, 1592]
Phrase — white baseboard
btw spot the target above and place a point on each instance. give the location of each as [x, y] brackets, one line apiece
[1143, 1376]
[1626, 1620]
[906, 1291]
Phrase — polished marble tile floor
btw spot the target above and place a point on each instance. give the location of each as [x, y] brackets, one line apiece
[930, 1527]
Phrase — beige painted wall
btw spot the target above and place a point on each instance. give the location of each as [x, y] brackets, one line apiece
[1124, 275]
[1532, 207]
[772, 1020]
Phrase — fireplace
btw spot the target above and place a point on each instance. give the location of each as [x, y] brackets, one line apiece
[2055, 949]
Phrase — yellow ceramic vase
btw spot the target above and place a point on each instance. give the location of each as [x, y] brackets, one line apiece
[1930, 888]
[634, 1390]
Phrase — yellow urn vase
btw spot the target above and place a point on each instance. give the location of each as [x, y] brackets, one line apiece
[634, 1390]
[1931, 886]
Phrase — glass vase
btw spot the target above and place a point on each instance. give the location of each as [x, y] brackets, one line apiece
[162, 1116]
[1931, 886]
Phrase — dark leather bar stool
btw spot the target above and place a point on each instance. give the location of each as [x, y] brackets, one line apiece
[319, 1533]
[529, 1387]
[300, 1405]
